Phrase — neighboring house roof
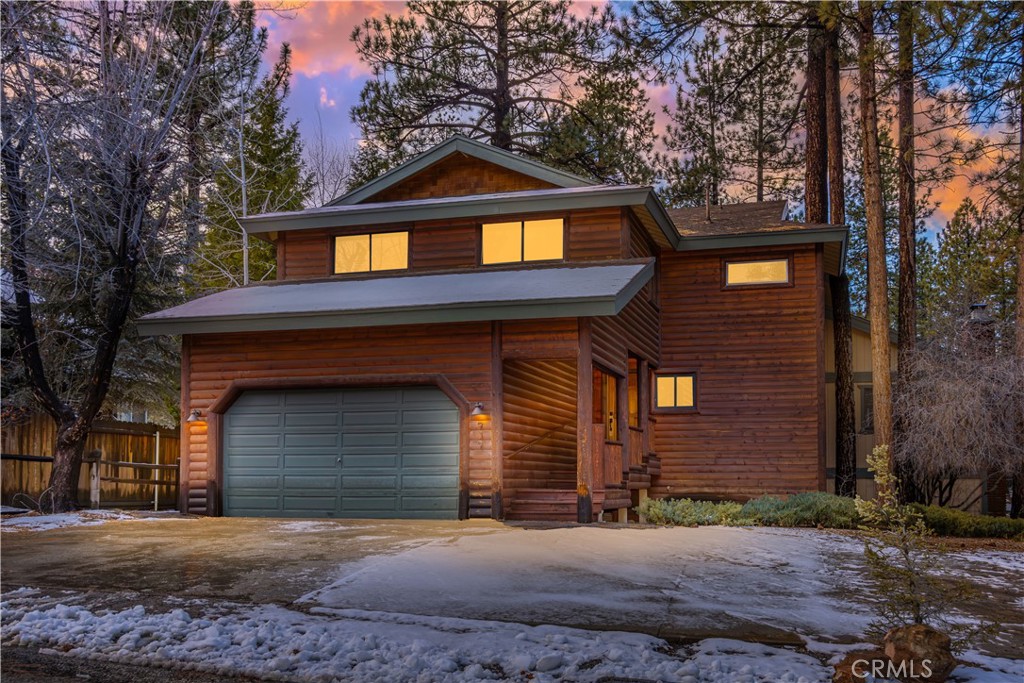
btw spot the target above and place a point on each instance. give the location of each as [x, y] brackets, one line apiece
[460, 144]
[542, 292]
[732, 219]
[642, 199]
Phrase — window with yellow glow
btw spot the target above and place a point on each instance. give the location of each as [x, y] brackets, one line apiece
[773, 272]
[674, 391]
[371, 252]
[541, 240]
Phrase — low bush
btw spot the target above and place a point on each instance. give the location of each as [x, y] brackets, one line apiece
[953, 522]
[818, 510]
[686, 512]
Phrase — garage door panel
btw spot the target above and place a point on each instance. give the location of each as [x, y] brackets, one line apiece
[416, 503]
[410, 482]
[312, 483]
[311, 419]
[310, 398]
[379, 453]
[254, 421]
[359, 399]
[242, 482]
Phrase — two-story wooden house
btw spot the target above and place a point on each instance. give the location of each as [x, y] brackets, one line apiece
[474, 334]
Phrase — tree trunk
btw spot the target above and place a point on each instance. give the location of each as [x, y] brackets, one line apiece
[875, 213]
[907, 295]
[842, 323]
[501, 136]
[67, 466]
[907, 323]
[816, 192]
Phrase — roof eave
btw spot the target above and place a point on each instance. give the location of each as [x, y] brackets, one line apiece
[463, 207]
[587, 307]
[800, 236]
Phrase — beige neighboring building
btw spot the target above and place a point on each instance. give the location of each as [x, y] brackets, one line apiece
[969, 494]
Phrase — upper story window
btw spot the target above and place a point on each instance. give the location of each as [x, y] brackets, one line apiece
[371, 252]
[518, 241]
[764, 272]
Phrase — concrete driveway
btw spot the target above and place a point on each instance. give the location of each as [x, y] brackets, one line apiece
[782, 586]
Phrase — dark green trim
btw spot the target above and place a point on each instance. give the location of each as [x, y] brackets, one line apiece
[477, 206]
[471, 148]
[763, 239]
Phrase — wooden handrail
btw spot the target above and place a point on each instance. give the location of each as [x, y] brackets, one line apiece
[538, 440]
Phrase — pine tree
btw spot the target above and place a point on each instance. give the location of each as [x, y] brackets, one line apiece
[264, 174]
[518, 75]
[696, 136]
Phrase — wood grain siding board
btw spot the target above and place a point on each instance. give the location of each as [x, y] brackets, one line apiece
[820, 295]
[539, 396]
[186, 428]
[459, 176]
[595, 234]
[539, 339]
[758, 352]
[449, 245]
[303, 254]
[441, 245]
[635, 330]
[461, 353]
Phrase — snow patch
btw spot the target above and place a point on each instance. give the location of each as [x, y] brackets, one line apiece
[38, 522]
[278, 643]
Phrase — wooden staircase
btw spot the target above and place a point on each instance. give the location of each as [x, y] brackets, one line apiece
[548, 505]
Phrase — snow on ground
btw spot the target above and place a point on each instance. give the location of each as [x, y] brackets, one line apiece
[8, 510]
[277, 643]
[37, 522]
[312, 526]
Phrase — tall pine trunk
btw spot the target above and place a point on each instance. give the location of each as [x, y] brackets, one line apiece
[501, 136]
[1017, 498]
[842, 322]
[906, 324]
[816, 186]
[878, 298]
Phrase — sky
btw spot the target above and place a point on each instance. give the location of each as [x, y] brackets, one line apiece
[328, 74]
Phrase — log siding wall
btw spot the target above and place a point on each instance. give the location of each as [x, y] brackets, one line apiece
[596, 234]
[539, 406]
[759, 360]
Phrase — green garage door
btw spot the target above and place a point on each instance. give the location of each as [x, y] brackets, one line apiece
[388, 452]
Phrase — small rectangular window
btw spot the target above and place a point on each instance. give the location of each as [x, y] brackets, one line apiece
[867, 410]
[371, 252]
[768, 272]
[541, 240]
[675, 391]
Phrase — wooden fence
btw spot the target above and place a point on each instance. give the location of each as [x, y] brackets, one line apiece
[121, 445]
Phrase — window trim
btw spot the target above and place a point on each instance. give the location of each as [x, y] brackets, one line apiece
[664, 372]
[783, 256]
[333, 248]
[521, 219]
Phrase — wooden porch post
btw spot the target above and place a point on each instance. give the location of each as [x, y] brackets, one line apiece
[622, 399]
[584, 417]
[497, 433]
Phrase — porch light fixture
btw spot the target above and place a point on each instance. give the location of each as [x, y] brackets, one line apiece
[194, 416]
[478, 410]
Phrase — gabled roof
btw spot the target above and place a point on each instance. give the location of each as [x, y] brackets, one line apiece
[460, 144]
[522, 293]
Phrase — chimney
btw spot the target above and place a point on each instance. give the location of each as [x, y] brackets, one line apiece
[980, 330]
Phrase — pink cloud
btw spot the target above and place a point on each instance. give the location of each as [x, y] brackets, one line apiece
[320, 34]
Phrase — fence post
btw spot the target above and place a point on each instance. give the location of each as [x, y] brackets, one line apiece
[93, 458]
[156, 473]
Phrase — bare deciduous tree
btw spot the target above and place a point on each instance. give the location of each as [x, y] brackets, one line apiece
[960, 401]
[92, 98]
[329, 165]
